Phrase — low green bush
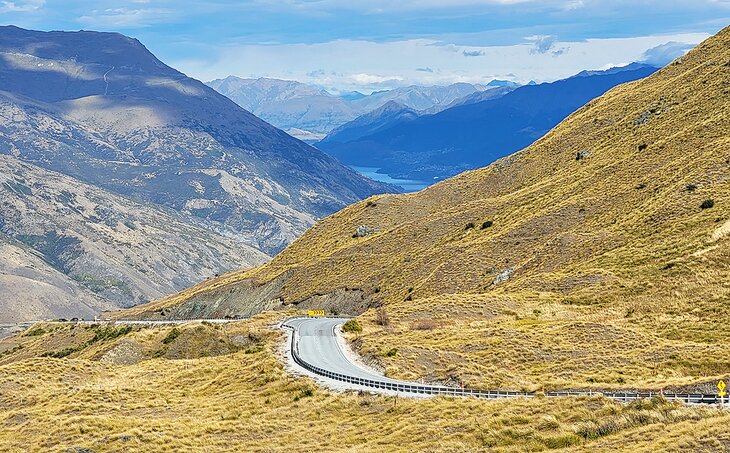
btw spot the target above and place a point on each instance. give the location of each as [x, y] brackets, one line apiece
[352, 326]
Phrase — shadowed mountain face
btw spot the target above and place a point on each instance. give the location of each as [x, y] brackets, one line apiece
[382, 118]
[100, 107]
[476, 131]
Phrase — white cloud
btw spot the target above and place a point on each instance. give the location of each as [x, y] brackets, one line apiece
[21, 7]
[372, 79]
[664, 54]
[126, 17]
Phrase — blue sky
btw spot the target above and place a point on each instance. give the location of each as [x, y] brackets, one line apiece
[367, 45]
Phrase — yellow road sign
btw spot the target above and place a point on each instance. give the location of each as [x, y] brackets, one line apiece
[721, 385]
[722, 393]
[315, 313]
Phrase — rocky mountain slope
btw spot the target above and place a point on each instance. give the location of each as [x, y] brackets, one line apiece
[33, 289]
[101, 108]
[599, 256]
[71, 249]
[477, 130]
[166, 182]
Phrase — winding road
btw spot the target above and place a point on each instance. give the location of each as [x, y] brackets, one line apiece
[316, 347]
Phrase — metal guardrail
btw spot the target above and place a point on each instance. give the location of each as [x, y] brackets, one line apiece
[687, 398]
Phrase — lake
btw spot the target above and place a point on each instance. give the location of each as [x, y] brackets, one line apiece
[409, 185]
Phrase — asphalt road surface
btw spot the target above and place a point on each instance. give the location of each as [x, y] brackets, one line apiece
[318, 346]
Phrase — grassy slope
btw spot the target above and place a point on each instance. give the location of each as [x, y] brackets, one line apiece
[619, 276]
[244, 400]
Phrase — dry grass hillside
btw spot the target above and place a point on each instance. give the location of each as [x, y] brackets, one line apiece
[597, 257]
[202, 388]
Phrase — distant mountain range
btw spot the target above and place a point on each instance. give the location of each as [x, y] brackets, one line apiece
[154, 148]
[418, 97]
[306, 111]
[473, 131]
[295, 107]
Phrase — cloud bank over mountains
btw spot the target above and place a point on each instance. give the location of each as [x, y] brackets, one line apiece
[347, 45]
[348, 65]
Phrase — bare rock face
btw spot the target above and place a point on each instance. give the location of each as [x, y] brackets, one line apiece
[362, 231]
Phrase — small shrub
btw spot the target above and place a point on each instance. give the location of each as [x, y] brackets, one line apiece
[62, 353]
[469, 226]
[370, 204]
[352, 326]
[425, 324]
[391, 352]
[691, 187]
[254, 349]
[171, 335]
[487, 224]
[707, 204]
[109, 333]
[643, 147]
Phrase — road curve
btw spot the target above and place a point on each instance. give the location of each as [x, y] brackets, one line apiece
[316, 344]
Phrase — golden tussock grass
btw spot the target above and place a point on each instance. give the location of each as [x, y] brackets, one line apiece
[246, 401]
